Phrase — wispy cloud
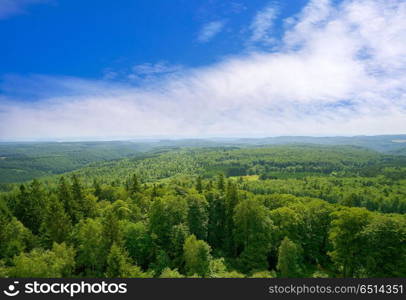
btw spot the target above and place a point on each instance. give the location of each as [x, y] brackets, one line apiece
[262, 24]
[210, 30]
[153, 70]
[9, 8]
[143, 73]
[339, 70]
[236, 7]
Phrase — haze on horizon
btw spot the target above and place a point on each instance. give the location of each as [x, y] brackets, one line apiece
[394, 138]
[242, 69]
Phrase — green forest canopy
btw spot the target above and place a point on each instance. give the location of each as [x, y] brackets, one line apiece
[280, 211]
[25, 161]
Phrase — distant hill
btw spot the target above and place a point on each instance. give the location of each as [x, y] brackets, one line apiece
[25, 161]
[381, 143]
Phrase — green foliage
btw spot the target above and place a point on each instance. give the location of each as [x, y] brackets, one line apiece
[348, 242]
[119, 264]
[253, 234]
[218, 269]
[231, 201]
[14, 239]
[289, 259]
[199, 185]
[385, 241]
[21, 162]
[263, 274]
[138, 243]
[166, 213]
[168, 273]
[316, 216]
[57, 224]
[197, 256]
[55, 263]
[179, 235]
[111, 230]
[133, 185]
[198, 216]
[220, 182]
[217, 220]
[289, 223]
[161, 262]
[65, 197]
[30, 206]
[88, 236]
[214, 212]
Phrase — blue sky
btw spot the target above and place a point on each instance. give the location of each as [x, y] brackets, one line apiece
[86, 38]
[181, 68]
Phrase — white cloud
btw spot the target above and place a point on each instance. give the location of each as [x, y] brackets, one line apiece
[262, 24]
[10, 8]
[209, 31]
[143, 73]
[150, 71]
[338, 71]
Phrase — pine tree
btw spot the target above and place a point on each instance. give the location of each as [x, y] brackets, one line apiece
[198, 216]
[97, 189]
[231, 203]
[134, 185]
[57, 224]
[91, 254]
[112, 233]
[66, 198]
[22, 199]
[220, 182]
[84, 205]
[252, 235]
[199, 185]
[154, 192]
[289, 259]
[77, 189]
[217, 220]
[118, 263]
[30, 208]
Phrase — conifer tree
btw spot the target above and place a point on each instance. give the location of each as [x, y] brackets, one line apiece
[66, 198]
[289, 259]
[198, 216]
[220, 182]
[199, 184]
[253, 235]
[118, 263]
[30, 208]
[57, 224]
[231, 202]
[134, 185]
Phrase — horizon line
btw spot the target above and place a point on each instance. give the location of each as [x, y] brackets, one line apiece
[179, 138]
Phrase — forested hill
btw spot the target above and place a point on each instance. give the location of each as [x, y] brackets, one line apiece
[24, 161]
[20, 162]
[390, 144]
[339, 174]
[267, 162]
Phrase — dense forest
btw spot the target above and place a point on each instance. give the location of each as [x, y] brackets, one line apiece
[210, 211]
[25, 161]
